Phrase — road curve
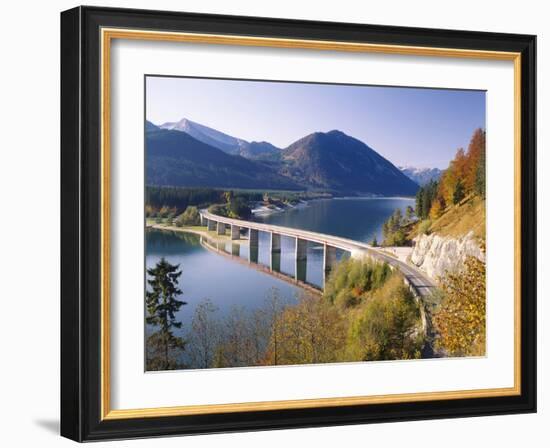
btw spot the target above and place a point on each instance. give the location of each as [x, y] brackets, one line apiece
[417, 280]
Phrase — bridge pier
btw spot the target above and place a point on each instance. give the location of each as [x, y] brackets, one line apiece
[300, 267]
[211, 225]
[221, 228]
[253, 253]
[253, 237]
[235, 232]
[300, 271]
[204, 221]
[275, 242]
[301, 249]
[275, 264]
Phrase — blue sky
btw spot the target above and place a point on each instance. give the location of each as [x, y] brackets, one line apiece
[408, 126]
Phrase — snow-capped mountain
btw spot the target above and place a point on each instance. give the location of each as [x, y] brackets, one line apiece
[227, 143]
[421, 176]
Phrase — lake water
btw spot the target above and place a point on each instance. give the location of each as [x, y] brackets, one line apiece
[229, 283]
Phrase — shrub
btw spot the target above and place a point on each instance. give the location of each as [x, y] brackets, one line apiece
[424, 227]
[218, 209]
[352, 279]
[387, 326]
[190, 217]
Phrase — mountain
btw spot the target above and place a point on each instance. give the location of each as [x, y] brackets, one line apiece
[227, 143]
[178, 159]
[261, 151]
[421, 176]
[187, 153]
[336, 161]
[150, 127]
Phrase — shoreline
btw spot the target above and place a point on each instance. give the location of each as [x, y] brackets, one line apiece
[266, 211]
[197, 230]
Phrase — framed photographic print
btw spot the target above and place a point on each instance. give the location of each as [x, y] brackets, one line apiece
[275, 224]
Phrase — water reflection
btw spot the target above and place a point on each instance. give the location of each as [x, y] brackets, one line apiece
[274, 264]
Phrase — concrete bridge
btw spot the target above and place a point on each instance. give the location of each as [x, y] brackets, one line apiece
[417, 281]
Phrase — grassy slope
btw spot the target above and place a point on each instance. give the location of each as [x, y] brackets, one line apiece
[458, 220]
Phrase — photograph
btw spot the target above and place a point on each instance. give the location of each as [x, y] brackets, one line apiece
[273, 222]
[292, 223]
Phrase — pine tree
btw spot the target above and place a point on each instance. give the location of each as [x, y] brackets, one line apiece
[458, 194]
[419, 206]
[480, 175]
[162, 306]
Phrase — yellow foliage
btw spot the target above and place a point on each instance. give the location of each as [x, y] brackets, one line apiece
[460, 319]
[436, 210]
[313, 331]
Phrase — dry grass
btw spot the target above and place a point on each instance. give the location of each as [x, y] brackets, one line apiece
[458, 220]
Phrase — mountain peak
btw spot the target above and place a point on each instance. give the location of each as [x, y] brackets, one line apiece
[227, 143]
[337, 133]
[421, 176]
[337, 161]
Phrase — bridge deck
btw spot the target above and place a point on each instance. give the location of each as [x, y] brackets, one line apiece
[418, 281]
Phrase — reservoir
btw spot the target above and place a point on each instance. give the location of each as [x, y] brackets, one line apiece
[223, 273]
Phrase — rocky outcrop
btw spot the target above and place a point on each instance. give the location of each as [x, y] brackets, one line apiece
[435, 254]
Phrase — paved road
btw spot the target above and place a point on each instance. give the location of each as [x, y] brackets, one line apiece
[417, 280]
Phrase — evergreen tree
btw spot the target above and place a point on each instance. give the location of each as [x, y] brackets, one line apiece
[162, 306]
[480, 175]
[458, 193]
[419, 206]
[396, 220]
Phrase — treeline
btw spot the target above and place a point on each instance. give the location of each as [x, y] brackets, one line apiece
[465, 176]
[234, 206]
[366, 313]
[179, 198]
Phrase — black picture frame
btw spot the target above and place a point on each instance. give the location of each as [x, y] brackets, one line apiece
[81, 224]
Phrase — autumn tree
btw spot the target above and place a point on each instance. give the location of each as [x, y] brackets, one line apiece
[313, 331]
[437, 208]
[476, 160]
[149, 211]
[460, 319]
[163, 345]
[243, 340]
[205, 335]
[465, 176]
[272, 312]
